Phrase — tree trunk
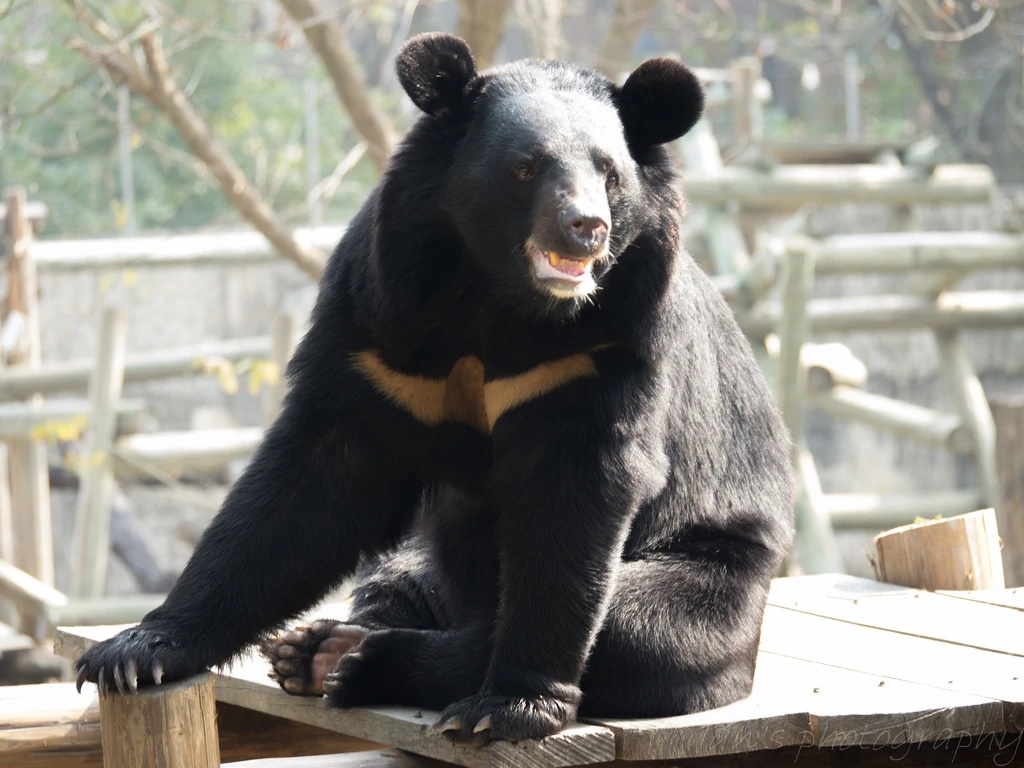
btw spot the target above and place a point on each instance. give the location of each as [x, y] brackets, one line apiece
[481, 24]
[628, 20]
[325, 35]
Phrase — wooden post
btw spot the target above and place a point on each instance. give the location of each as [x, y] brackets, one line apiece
[284, 336]
[96, 493]
[162, 726]
[1008, 414]
[748, 124]
[31, 525]
[817, 549]
[966, 391]
[954, 553]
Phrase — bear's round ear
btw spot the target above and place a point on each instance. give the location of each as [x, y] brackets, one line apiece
[434, 69]
[660, 101]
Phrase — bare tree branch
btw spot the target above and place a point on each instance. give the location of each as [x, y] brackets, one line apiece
[325, 35]
[156, 84]
[628, 21]
[481, 24]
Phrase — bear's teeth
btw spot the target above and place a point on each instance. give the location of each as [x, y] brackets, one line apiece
[554, 259]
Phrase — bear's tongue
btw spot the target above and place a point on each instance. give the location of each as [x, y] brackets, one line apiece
[568, 266]
[549, 264]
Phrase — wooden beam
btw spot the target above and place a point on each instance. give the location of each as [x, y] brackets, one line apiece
[906, 420]
[27, 592]
[790, 186]
[174, 724]
[902, 251]
[897, 312]
[35, 212]
[96, 490]
[177, 453]
[967, 394]
[953, 553]
[202, 249]
[866, 511]
[1008, 415]
[140, 366]
[18, 420]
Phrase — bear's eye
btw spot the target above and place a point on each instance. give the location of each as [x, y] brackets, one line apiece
[612, 179]
[525, 172]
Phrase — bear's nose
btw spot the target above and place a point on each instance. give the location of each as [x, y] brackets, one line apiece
[587, 230]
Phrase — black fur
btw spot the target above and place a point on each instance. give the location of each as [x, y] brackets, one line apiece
[608, 545]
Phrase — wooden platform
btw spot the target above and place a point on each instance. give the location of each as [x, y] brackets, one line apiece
[844, 663]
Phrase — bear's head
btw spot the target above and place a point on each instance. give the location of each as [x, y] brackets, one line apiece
[553, 175]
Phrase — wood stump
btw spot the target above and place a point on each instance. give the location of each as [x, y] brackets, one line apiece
[959, 552]
[164, 726]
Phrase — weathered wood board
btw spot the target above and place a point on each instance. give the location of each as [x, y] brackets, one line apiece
[844, 662]
[245, 684]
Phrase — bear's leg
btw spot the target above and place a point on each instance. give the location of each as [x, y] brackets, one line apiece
[680, 636]
[318, 494]
[394, 590]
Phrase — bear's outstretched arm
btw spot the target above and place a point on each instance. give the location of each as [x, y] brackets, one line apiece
[316, 494]
[567, 481]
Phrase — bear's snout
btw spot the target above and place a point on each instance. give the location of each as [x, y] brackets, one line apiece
[583, 228]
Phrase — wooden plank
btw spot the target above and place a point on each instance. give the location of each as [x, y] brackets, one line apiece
[385, 758]
[13, 640]
[246, 685]
[176, 453]
[1007, 598]
[902, 609]
[939, 665]
[800, 702]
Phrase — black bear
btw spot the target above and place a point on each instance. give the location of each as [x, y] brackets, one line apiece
[527, 416]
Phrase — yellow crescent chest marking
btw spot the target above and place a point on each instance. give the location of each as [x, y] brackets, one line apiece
[463, 396]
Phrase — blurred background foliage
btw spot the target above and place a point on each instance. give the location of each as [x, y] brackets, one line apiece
[945, 67]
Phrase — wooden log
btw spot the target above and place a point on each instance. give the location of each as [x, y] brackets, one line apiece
[162, 726]
[189, 451]
[141, 366]
[866, 511]
[966, 392]
[203, 249]
[96, 493]
[906, 420]
[792, 331]
[18, 420]
[951, 311]
[1008, 415]
[829, 151]
[902, 251]
[109, 609]
[27, 592]
[31, 522]
[954, 553]
[827, 365]
[35, 212]
[790, 186]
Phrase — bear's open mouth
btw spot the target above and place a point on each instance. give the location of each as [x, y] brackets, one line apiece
[552, 265]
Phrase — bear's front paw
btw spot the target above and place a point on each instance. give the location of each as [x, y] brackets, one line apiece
[139, 655]
[505, 718]
[370, 673]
